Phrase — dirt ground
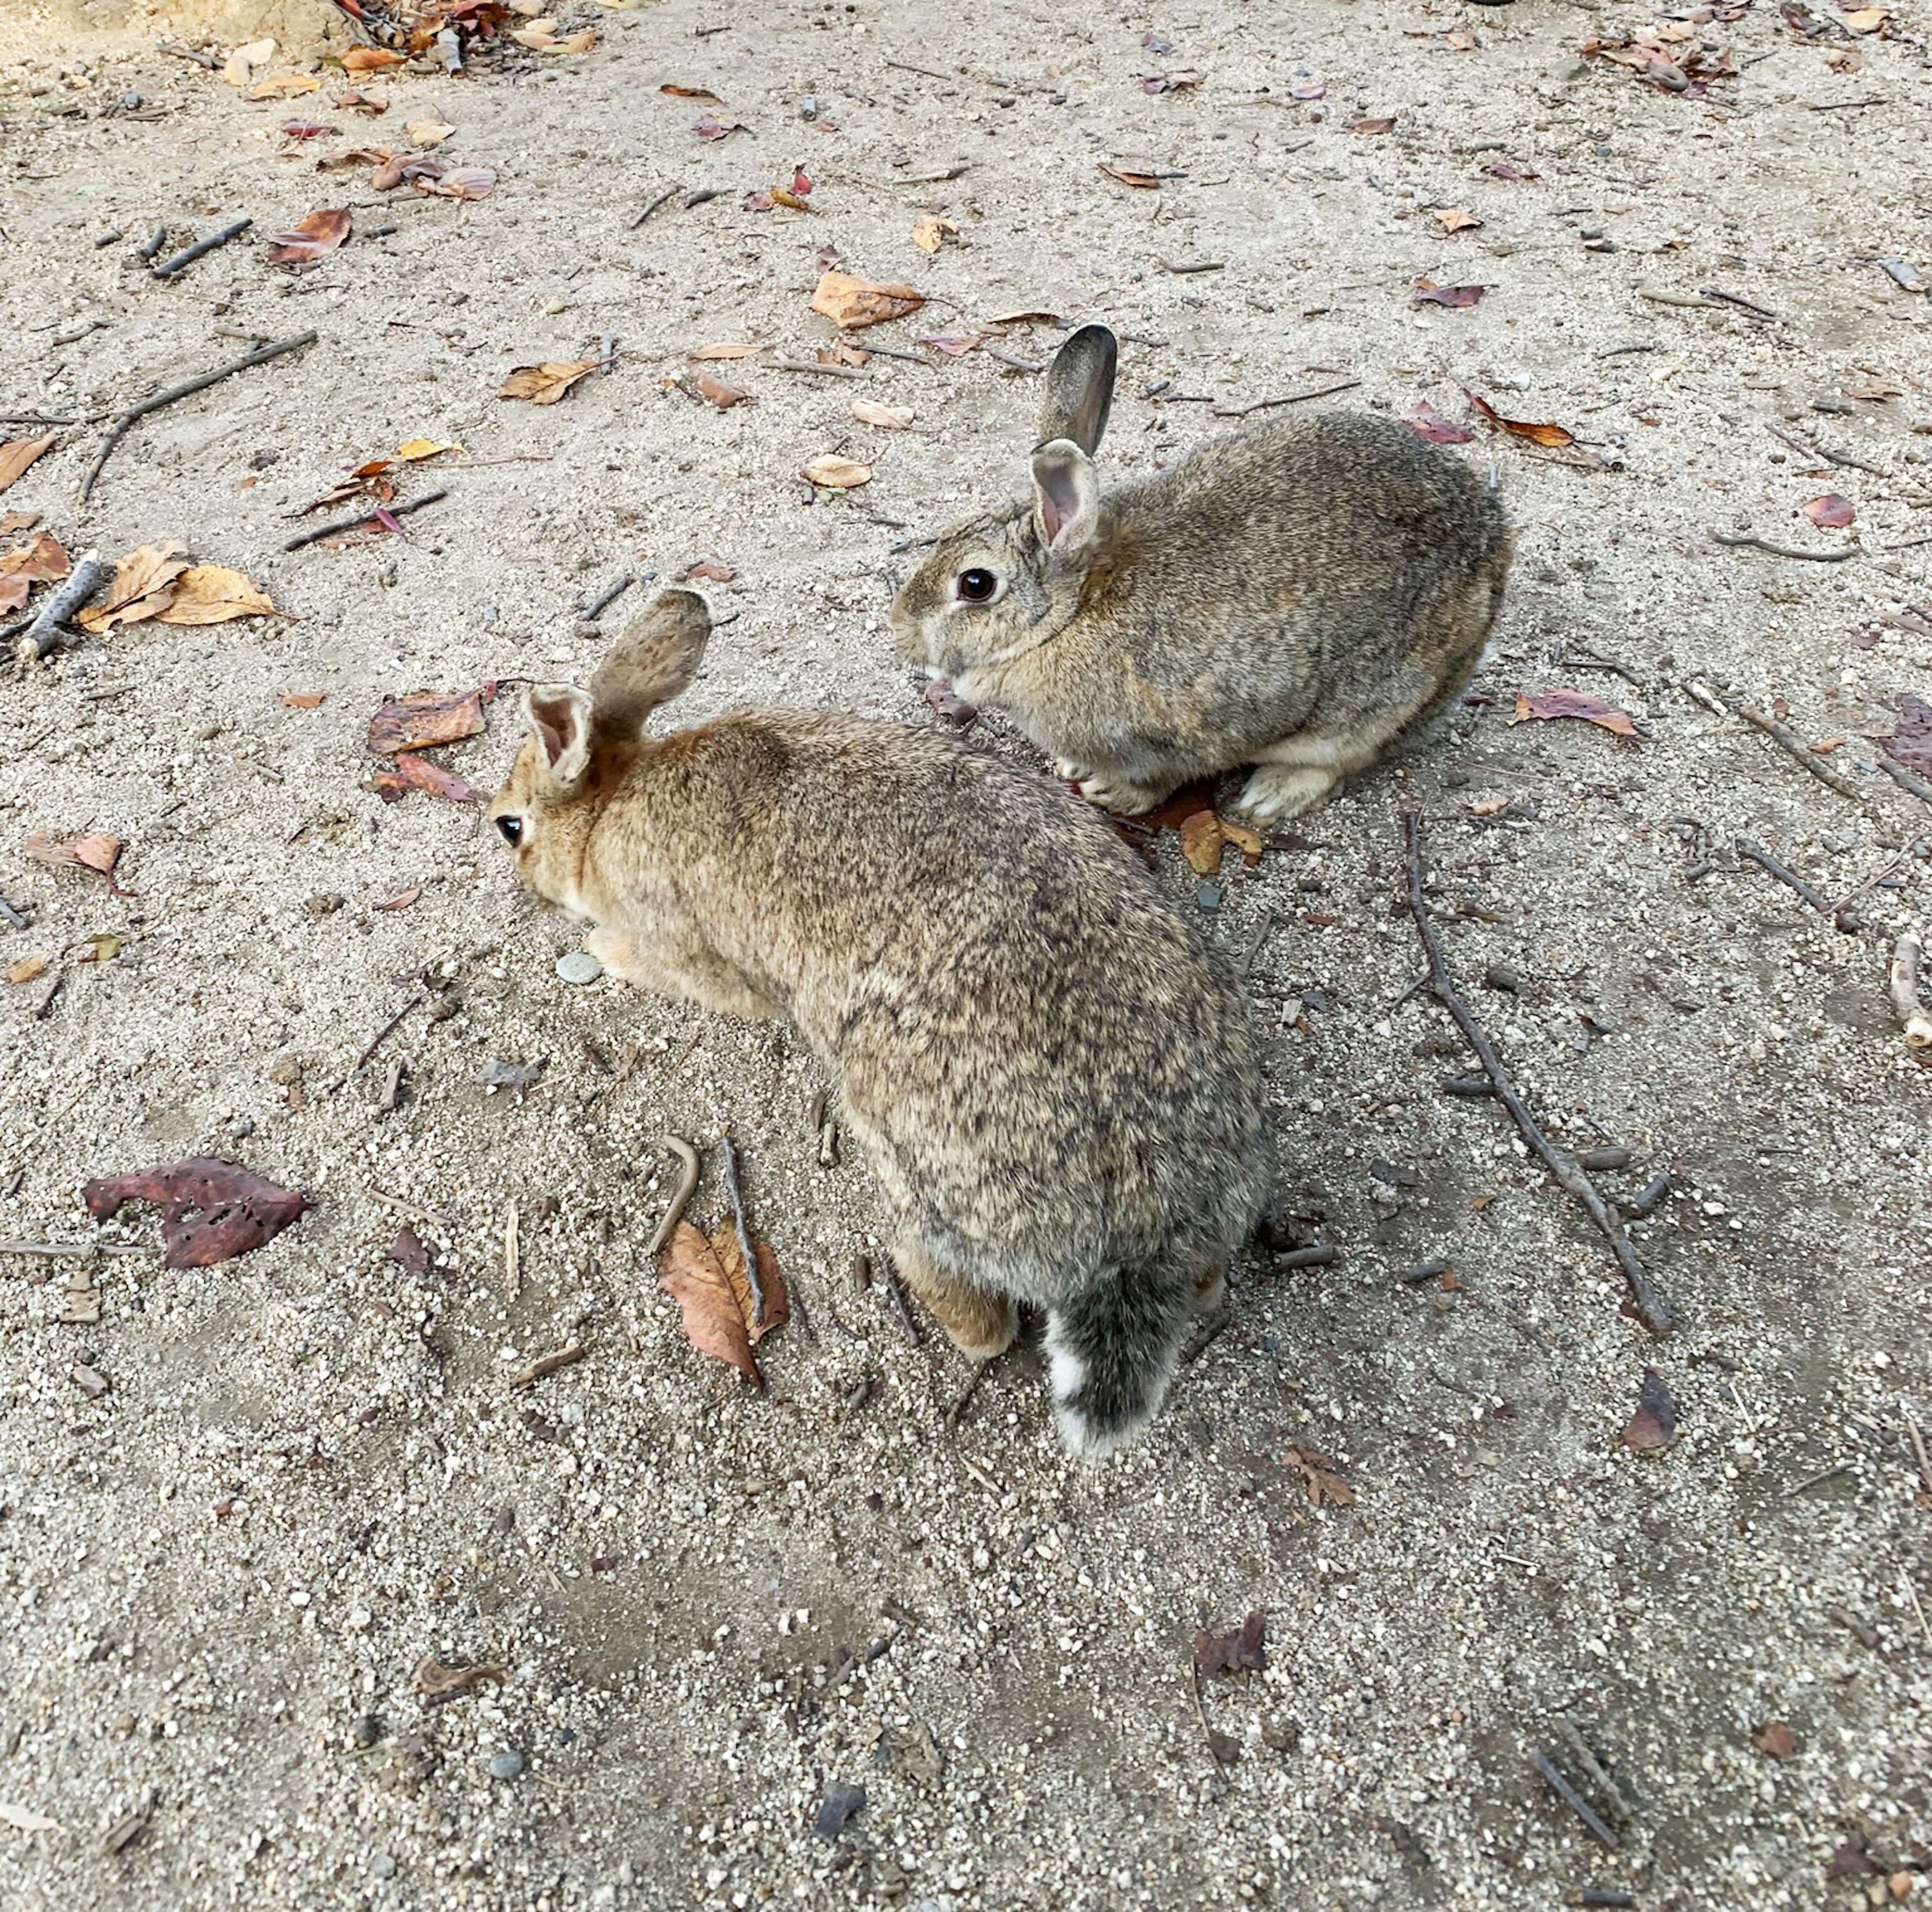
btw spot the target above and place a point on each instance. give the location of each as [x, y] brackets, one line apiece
[714, 1610]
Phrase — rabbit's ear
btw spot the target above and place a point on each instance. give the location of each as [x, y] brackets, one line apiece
[656, 659]
[1065, 497]
[1080, 388]
[559, 715]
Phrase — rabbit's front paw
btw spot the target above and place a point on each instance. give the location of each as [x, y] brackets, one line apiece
[1124, 799]
[1277, 792]
[1067, 771]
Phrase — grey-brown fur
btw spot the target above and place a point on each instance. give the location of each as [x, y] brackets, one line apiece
[1292, 597]
[1053, 1083]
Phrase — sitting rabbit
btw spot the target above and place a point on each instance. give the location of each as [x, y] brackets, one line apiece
[1053, 1083]
[1292, 597]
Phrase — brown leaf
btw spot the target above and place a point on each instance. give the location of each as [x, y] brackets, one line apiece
[1504, 170]
[396, 167]
[1457, 296]
[575, 42]
[718, 393]
[1200, 841]
[837, 474]
[403, 902]
[408, 1252]
[931, 233]
[1911, 744]
[1456, 219]
[868, 411]
[1226, 1750]
[708, 128]
[545, 384]
[1319, 1475]
[369, 59]
[17, 455]
[40, 563]
[1544, 706]
[1032, 316]
[98, 853]
[212, 1211]
[24, 969]
[1424, 419]
[313, 237]
[725, 351]
[1873, 386]
[710, 572]
[691, 93]
[1653, 1426]
[1241, 1651]
[353, 101]
[953, 345]
[1131, 172]
[144, 584]
[1372, 126]
[285, 86]
[707, 1280]
[410, 772]
[425, 718]
[15, 521]
[460, 182]
[1552, 435]
[1831, 512]
[1169, 82]
[212, 594]
[851, 303]
[1776, 1738]
[302, 700]
[435, 1681]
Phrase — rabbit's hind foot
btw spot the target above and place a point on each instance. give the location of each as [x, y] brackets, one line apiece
[980, 1325]
[1278, 791]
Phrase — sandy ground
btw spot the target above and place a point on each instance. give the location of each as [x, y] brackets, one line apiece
[712, 1608]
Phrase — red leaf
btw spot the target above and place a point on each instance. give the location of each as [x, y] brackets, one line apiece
[1831, 511]
[212, 1211]
[306, 129]
[1653, 1426]
[1540, 706]
[410, 772]
[1430, 423]
[1553, 436]
[99, 852]
[801, 185]
[1455, 295]
[710, 573]
[708, 128]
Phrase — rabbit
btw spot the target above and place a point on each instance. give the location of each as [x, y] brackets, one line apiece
[1053, 1083]
[1291, 597]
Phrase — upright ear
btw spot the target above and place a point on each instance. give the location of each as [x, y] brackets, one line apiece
[654, 660]
[559, 715]
[1080, 388]
[1066, 498]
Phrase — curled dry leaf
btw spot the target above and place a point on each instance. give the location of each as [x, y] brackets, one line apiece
[1317, 1473]
[1169, 82]
[144, 584]
[1456, 296]
[1540, 707]
[1653, 1426]
[395, 167]
[575, 42]
[15, 521]
[98, 853]
[931, 233]
[1242, 1651]
[426, 132]
[411, 449]
[1131, 172]
[1831, 511]
[313, 237]
[212, 1211]
[1456, 219]
[837, 474]
[426, 718]
[1373, 126]
[460, 182]
[243, 60]
[708, 128]
[952, 345]
[1424, 419]
[717, 393]
[41, 563]
[302, 700]
[1202, 833]
[1775, 1739]
[691, 93]
[707, 1280]
[369, 59]
[17, 455]
[545, 384]
[1872, 386]
[213, 594]
[353, 101]
[435, 1681]
[1553, 436]
[410, 772]
[709, 572]
[285, 86]
[307, 129]
[868, 411]
[851, 303]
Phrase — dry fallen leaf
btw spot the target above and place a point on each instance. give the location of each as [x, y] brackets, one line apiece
[1422, 418]
[1866, 20]
[707, 1280]
[435, 1681]
[718, 393]
[710, 573]
[1653, 1426]
[353, 101]
[369, 59]
[15, 521]
[836, 473]
[426, 718]
[17, 456]
[1169, 82]
[691, 93]
[1551, 435]
[285, 86]
[545, 384]
[708, 128]
[103, 946]
[953, 345]
[212, 1211]
[98, 853]
[460, 182]
[868, 411]
[1456, 219]
[302, 700]
[1319, 1475]
[931, 233]
[1372, 126]
[1456, 296]
[40, 563]
[575, 42]
[1200, 841]
[427, 132]
[851, 303]
[411, 449]
[401, 902]
[307, 129]
[144, 583]
[1242, 1651]
[1911, 742]
[1131, 172]
[1831, 512]
[213, 594]
[410, 772]
[1873, 386]
[313, 237]
[1775, 1738]
[1545, 706]
[24, 969]
[725, 351]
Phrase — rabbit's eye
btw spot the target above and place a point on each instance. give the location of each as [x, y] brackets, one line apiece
[511, 830]
[977, 585]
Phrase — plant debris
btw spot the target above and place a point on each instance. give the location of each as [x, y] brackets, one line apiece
[707, 1280]
[1653, 1427]
[98, 853]
[1546, 706]
[931, 233]
[1553, 436]
[435, 1681]
[1429, 293]
[1241, 1651]
[1830, 512]
[1424, 419]
[1911, 742]
[1131, 172]
[426, 718]
[1325, 1486]
[43, 562]
[310, 238]
[212, 1211]
[851, 303]
[17, 455]
[1775, 1739]
[837, 474]
[1202, 835]
[868, 411]
[715, 392]
[161, 582]
[545, 384]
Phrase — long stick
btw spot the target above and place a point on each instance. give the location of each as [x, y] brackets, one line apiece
[751, 1260]
[686, 1182]
[1652, 1308]
[259, 356]
[362, 518]
[43, 634]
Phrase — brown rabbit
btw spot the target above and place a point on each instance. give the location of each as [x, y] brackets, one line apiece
[1292, 597]
[1053, 1082]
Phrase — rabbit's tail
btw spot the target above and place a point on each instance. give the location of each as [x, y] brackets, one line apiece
[1114, 1350]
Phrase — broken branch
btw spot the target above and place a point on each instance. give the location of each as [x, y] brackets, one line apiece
[45, 632]
[362, 518]
[189, 254]
[1905, 1003]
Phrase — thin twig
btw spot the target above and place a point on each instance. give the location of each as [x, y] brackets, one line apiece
[411, 1210]
[813, 366]
[1905, 1003]
[1799, 751]
[888, 1279]
[591, 609]
[1319, 1254]
[1918, 1446]
[1751, 544]
[1652, 1309]
[744, 1234]
[362, 518]
[1573, 1800]
[547, 1365]
[513, 1260]
[1765, 861]
[124, 421]
[376, 1040]
[963, 1398]
[1734, 298]
[189, 254]
[1292, 399]
[668, 192]
[687, 1183]
[1906, 779]
[79, 1249]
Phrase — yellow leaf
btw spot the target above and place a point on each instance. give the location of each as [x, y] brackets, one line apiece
[837, 474]
[144, 582]
[545, 384]
[425, 133]
[850, 302]
[106, 945]
[212, 594]
[24, 969]
[575, 42]
[1247, 841]
[1201, 837]
[17, 456]
[930, 233]
[867, 411]
[413, 448]
[285, 86]
[784, 195]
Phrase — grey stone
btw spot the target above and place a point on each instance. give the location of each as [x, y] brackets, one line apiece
[579, 966]
[507, 1765]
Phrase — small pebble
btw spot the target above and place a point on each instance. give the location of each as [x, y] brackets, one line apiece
[367, 1730]
[1209, 896]
[579, 966]
[506, 1766]
[1593, 1159]
[383, 1865]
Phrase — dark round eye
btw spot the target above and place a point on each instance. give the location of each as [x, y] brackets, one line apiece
[512, 829]
[977, 585]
